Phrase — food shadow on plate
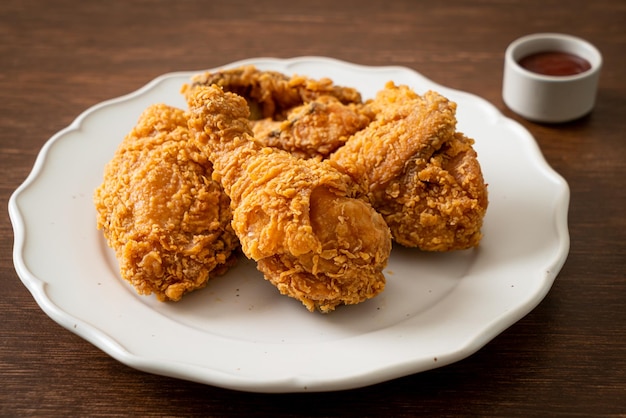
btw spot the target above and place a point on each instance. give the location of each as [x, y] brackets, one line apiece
[240, 301]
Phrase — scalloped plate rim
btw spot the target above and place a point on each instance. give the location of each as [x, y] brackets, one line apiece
[296, 382]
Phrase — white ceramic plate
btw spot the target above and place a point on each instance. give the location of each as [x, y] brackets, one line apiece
[239, 332]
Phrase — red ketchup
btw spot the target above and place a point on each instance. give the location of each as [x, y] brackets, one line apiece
[555, 63]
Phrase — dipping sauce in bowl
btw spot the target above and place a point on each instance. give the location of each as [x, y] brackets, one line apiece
[555, 63]
[551, 77]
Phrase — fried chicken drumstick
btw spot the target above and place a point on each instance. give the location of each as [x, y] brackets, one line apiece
[167, 221]
[419, 173]
[296, 218]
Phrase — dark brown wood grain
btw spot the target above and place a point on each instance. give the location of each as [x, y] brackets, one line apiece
[567, 357]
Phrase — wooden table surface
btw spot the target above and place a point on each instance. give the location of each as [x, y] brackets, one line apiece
[567, 357]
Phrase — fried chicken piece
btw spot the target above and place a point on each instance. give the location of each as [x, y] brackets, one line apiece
[270, 93]
[295, 217]
[167, 221]
[421, 175]
[313, 129]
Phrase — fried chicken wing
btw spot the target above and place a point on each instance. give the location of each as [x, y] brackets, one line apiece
[420, 174]
[295, 217]
[159, 209]
[313, 129]
[270, 94]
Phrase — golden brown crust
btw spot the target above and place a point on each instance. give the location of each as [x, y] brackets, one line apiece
[269, 93]
[313, 129]
[167, 221]
[297, 218]
[421, 175]
[313, 192]
[440, 205]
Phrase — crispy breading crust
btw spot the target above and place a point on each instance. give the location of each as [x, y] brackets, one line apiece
[301, 212]
[419, 172]
[269, 93]
[314, 129]
[295, 217]
[159, 209]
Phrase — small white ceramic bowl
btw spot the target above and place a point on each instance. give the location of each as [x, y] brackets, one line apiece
[550, 98]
